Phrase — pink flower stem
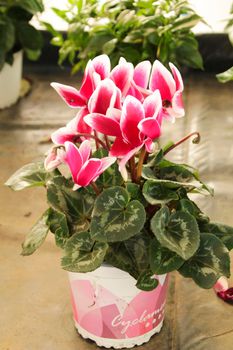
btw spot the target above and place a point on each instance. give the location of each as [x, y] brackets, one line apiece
[195, 140]
[93, 137]
[107, 142]
[95, 188]
[132, 169]
[140, 164]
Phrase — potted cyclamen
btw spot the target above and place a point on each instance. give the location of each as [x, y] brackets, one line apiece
[123, 214]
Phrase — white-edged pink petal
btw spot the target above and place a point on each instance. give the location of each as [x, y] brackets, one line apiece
[114, 113]
[122, 75]
[105, 164]
[73, 159]
[87, 86]
[124, 160]
[55, 157]
[150, 127]
[103, 97]
[70, 95]
[103, 124]
[150, 146]
[120, 148]
[142, 74]
[162, 79]
[102, 66]
[177, 105]
[85, 150]
[132, 114]
[60, 136]
[221, 284]
[88, 172]
[177, 76]
[152, 105]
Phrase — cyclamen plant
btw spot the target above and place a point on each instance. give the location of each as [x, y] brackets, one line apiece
[123, 203]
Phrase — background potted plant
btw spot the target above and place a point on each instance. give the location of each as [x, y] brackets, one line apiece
[17, 35]
[123, 213]
[136, 30]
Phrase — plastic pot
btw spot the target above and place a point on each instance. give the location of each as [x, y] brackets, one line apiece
[109, 309]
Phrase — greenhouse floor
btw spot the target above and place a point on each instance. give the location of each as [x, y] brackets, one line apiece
[34, 294]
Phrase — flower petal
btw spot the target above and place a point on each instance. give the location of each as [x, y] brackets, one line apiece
[73, 159]
[105, 164]
[150, 127]
[152, 105]
[102, 66]
[120, 148]
[162, 79]
[124, 160]
[60, 136]
[87, 86]
[103, 97]
[114, 113]
[221, 284]
[142, 74]
[132, 114]
[103, 124]
[88, 172]
[177, 106]
[55, 157]
[70, 95]
[85, 150]
[177, 77]
[79, 124]
[122, 75]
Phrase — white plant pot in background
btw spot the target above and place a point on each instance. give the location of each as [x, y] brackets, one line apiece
[10, 81]
[109, 309]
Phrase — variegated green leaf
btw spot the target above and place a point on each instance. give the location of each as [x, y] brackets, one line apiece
[162, 260]
[156, 193]
[223, 232]
[58, 225]
[210, 262]
[147, 281]
[177, 232]
[82, 254]
[37, 235]
[115, 217]
[77, 205]
[30, 175]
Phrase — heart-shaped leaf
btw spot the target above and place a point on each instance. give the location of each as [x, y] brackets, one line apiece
[58, 225]
[115, 217]
[178, 232]
[223, 232]
[156, 193]
[82, 254]
[162, 260]
[210, 262]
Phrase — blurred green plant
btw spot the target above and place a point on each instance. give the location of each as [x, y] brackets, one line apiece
[228, 74]
[135, 29]
[16, 32]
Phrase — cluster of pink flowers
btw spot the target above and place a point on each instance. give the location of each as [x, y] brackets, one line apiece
[127, 104]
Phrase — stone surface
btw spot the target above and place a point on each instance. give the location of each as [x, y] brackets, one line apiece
[34, 293]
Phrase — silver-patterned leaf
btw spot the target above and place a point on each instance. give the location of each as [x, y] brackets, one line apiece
[36, 236]
[210, 262]
[177, 232]
[115, 217]
[156, 193]
[82, 254]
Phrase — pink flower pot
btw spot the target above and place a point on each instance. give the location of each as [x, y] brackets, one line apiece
[109, 309]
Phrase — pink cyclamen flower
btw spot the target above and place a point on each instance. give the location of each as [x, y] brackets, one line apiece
[137, 125]
[72, 129]
[170, 86]
[96, 70]
[223, 291]
[55, 157]
[84, 169]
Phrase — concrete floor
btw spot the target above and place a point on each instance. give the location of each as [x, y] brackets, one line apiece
[34, 294]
